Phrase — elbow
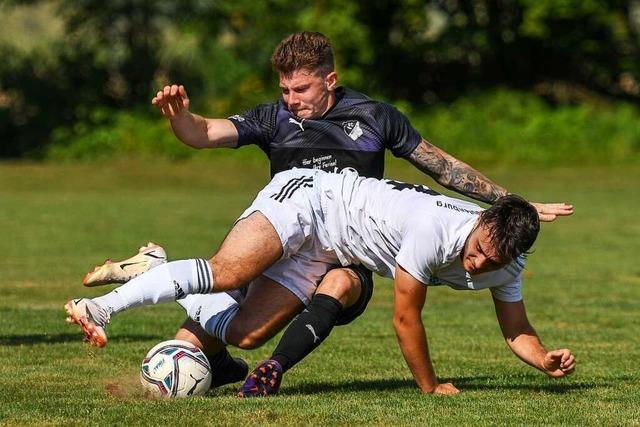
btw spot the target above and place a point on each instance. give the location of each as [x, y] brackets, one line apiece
[398, 322]
[401, 321]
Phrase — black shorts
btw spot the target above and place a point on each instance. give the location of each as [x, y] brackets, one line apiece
[366, 286]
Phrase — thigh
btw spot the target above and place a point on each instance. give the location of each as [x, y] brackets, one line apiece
[276, 225]
[251, 247]
[267, 308]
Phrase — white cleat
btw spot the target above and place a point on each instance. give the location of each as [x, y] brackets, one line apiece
[147, 257]
[90, 317]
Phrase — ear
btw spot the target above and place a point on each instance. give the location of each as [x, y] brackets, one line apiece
[331, 80]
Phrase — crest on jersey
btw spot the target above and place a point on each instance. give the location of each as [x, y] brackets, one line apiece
[352, 129]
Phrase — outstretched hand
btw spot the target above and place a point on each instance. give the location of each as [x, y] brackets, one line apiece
[171, 100]
[550, 211]
[558, 363]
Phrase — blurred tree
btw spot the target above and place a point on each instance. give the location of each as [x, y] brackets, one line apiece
[434, 50]
[74, 64]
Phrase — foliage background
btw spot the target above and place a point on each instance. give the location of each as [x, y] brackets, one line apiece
[515, 80]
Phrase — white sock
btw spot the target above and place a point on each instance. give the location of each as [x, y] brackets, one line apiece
[166, 282]
[214, 312]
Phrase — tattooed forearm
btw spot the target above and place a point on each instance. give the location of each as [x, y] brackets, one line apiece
[454, 174]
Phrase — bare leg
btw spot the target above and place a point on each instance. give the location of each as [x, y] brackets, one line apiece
[192, 331]
[266, 309]
[341, 288]
[252, 246]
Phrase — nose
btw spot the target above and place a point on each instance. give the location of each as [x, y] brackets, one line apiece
[292, 99]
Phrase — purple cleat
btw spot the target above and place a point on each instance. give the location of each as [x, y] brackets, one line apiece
[263, 381]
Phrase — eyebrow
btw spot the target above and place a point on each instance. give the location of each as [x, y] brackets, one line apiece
[302, 86]
[493, 260]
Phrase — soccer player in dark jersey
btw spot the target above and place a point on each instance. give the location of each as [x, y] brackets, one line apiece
[316, 124]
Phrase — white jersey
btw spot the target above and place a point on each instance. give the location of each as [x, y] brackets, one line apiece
[383, 223]
[326, 219]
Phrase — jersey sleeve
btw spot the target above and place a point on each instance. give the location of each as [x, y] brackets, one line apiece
[511, 292]
[419, 252]
[399, 136]
[257, 125]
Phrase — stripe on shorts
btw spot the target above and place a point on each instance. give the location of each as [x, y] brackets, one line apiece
[304, 183]
[291, 186]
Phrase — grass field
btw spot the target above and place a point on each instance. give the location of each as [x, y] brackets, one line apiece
[582, 290]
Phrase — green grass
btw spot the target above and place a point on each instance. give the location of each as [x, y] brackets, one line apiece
[582, 290]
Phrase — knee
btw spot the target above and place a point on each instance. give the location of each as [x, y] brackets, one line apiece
[342, 284]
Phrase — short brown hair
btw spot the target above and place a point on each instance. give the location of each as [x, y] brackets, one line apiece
[513, 225]
[307, 49]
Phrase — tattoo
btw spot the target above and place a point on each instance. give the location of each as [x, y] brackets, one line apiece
[453, 174]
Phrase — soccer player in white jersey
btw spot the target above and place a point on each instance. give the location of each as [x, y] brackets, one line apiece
[306, 222]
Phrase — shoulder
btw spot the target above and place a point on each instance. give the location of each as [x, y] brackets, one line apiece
[349, 94]
[349, 98]
[424, 229]
[261, 113]
[422, 249]
[510, 288]
[268, 106]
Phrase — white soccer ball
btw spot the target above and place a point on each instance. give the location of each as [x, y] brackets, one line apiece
[175, 368]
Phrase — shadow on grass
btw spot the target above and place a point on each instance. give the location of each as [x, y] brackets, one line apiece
[520, 384]
[480, 383]
[350, 386]
[35, 339]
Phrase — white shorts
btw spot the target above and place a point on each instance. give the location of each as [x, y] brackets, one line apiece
[292, 205]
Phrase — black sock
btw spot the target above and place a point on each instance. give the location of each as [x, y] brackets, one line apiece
[307, 331]
[226, 369]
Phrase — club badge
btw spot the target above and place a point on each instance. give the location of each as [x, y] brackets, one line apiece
[352, 129]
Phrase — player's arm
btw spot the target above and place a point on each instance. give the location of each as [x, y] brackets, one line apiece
[458, 176]
[525, 343]
[192, 129]
[410, 295]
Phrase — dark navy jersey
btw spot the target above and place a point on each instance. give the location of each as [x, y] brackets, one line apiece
[354, 133]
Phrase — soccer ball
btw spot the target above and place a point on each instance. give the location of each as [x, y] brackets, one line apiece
[175, 368]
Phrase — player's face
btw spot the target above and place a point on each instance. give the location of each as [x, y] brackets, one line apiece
[308, 94]
[479, 255]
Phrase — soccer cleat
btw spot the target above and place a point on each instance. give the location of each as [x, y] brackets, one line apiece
[147, 257]
[90, 317]
[263, 381]
[235, 370]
